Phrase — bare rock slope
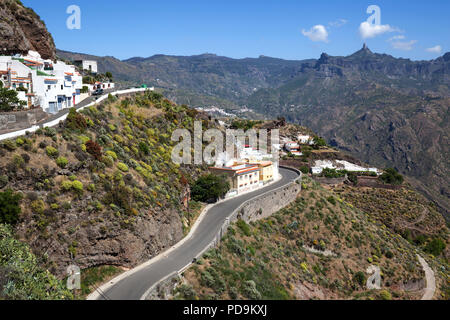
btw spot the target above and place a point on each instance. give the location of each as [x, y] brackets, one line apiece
[21, 30]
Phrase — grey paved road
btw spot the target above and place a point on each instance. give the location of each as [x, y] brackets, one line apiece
[135, 286]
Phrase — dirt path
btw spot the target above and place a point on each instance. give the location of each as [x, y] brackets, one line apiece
[431, 281]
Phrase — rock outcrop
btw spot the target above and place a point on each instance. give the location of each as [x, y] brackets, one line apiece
[21, 30]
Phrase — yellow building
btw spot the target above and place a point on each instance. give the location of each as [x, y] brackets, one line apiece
[242, 177]
[266, 171]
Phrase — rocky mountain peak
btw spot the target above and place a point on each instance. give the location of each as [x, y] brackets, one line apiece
[365, 51]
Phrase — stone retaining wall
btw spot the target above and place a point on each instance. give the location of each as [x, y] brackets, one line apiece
[12, 121]
[330, 181]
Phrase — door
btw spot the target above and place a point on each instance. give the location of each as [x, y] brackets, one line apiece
[52, 107]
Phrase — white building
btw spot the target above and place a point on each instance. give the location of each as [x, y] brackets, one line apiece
[316, 170]
[101, 85]
[304, 139]
[319, 165]
[291, 146]
[42, 83]
[88, 65]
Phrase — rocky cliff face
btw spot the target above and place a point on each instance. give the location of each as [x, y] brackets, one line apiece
[21, 30]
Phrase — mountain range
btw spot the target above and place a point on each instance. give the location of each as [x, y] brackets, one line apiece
[387, 111]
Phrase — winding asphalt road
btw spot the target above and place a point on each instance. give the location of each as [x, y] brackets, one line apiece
[134, 286]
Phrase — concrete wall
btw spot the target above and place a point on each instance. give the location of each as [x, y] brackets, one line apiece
[10, 121]
[264, 206]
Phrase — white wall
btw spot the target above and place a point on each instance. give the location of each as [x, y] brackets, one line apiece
[55, 122]
[90, 65]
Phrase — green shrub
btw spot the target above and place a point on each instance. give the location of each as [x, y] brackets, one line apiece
[186, 292]
[244, 227]
[360, 278]
[332, 200]
[122, 167]
[108, 161]
[210, 188]
[3, 181]
[77, 186]
[319, 142]
[83, 139]
[10, 207]
[250, 291]
[304, 169]
[38, 206]
[112, 154]
[9, 145]
[76, 121]
[333, 173]
[121, 197]
[435, 247]
[62, 162]
[391, 176]
[144, 148]
[18, 161]
[52, 152]
[66, 185]
[26, 280]
[385, 295]
[20, 142]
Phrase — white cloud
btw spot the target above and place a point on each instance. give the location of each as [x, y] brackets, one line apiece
[368, 30]
[338, 23]
[404, 45]
[400, 37]
[317, 33]
[437, 49]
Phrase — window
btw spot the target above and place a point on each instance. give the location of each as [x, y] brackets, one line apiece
[62, 87]
[49, 87]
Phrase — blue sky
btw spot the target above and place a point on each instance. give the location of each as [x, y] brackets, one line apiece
[289, 29]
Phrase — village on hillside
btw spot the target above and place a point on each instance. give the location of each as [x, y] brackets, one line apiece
[51, 86]
[249, 169]
[246, 170]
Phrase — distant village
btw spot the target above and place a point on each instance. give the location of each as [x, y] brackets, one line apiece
[294, 149]
[52, 86]
[249, 169]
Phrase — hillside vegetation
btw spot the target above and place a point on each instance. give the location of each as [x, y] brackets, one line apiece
[21, 275]
[317, 248]
[101, 189]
